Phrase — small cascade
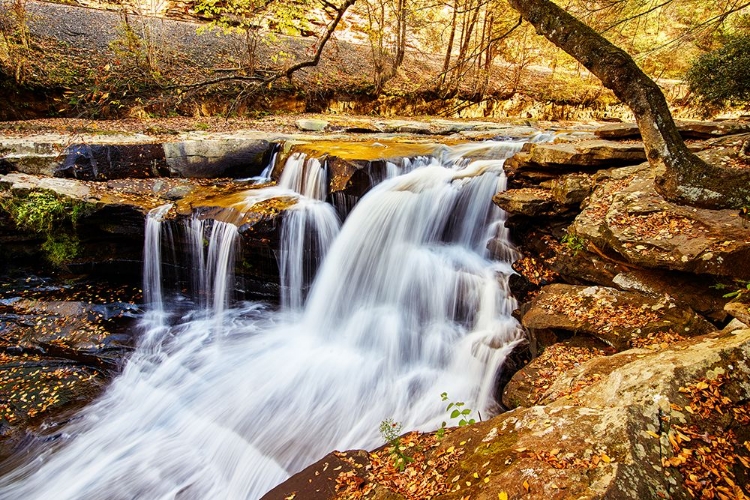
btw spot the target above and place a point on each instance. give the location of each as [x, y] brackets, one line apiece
[152, 290]
[228, 399]
[218, 265]
[267, 172]
[306, 176]
[307, 233]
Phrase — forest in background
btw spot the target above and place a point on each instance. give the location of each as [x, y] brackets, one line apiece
[312, 51]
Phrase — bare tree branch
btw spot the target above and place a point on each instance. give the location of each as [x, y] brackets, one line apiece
[321, 45]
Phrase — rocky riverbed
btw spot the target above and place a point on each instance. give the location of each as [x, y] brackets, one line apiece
[633, 382]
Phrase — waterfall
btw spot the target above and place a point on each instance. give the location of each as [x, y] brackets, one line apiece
[229, 399]
[152, 256]
[307, 232]
[305, 176]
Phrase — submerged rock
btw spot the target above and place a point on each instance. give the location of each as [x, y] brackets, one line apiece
[57, 355]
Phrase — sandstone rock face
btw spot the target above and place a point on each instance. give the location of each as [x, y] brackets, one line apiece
[100, 162]
[572, 189]
[131, 157]
[613, 316]
[587, 154]
[528, 385]
[541, 162]
[217, 157]
[65, 187]
[31, 157]
[627, 216]
[687, 290]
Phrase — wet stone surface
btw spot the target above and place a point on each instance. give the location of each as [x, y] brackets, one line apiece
[62, 340]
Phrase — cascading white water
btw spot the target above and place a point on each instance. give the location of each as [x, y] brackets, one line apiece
[152, 268]
[404, 307]
[306, 176]
[307, 233]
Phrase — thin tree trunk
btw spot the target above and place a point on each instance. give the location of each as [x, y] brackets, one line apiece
[683, 176]
[449, 49]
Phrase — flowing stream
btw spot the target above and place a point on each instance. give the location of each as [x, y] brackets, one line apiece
[225, 400]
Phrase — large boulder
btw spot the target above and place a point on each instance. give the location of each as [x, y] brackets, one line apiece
[639, 424]
[217, 157]
[311, 125]
[613, 316]
[113, 161]
[627, 216]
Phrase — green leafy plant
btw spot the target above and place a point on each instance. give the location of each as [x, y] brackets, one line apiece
[55, 217]
[574, 242]
[743, 288]
[457, 411]
[391, 432]
[61, 248]
[723, 75]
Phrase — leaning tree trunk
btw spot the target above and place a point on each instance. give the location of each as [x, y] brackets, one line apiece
[683, 177]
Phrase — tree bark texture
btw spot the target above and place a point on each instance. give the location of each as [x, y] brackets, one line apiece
[681, 176]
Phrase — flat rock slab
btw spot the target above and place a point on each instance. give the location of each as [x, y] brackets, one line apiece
[586, 153]
[529, 202]
[688, 129]
[613, 316]
[626, 215]
[529, 384]
[537, 163]
[688, 290]
[105, 158]
[65, 187]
